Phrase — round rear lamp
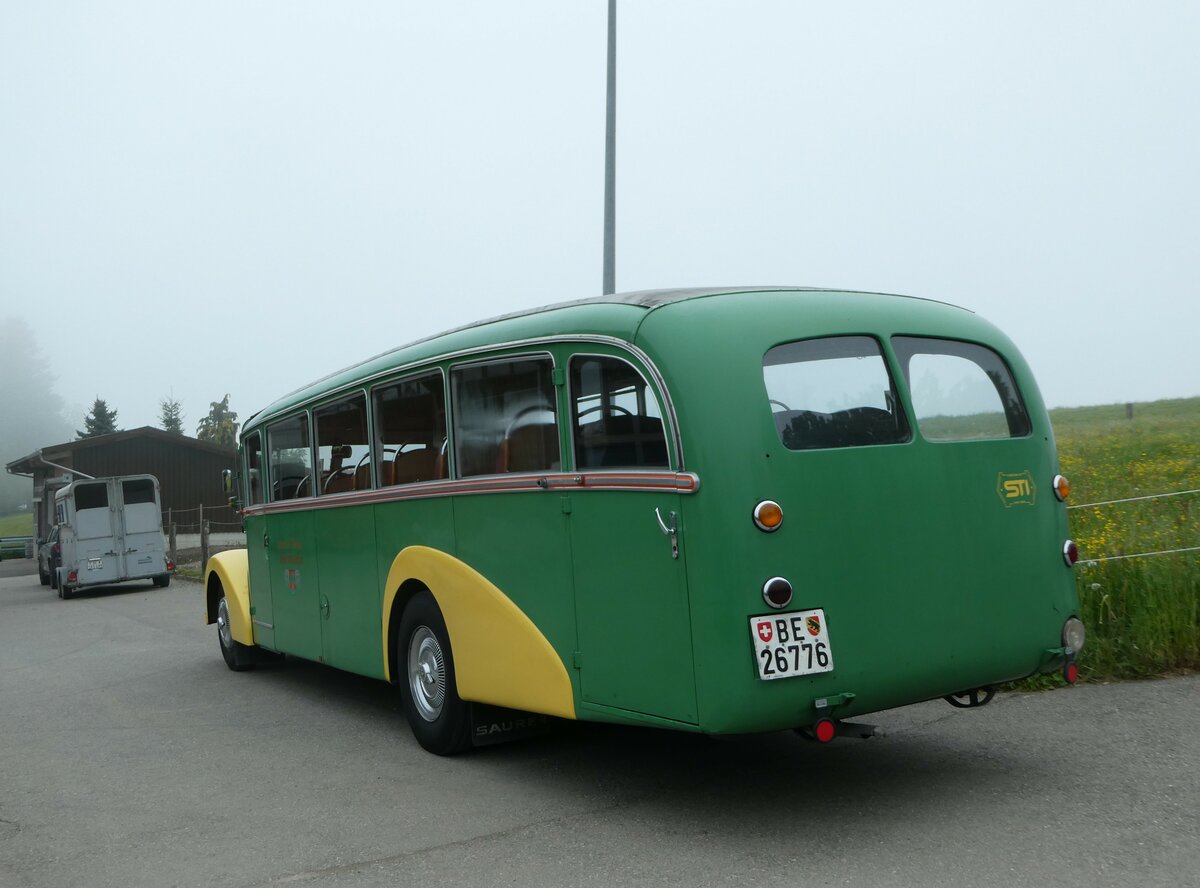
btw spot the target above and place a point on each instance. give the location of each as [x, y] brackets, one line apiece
[825, 730]
[1070, 553]
[768, 516]
[1071, 673]
[1062, 488]
[777, 592]
[1074, 634]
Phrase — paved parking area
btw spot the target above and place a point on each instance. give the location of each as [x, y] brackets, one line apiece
[130, 756]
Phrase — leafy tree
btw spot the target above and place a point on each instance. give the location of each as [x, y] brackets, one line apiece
[171, 416]
[220, 426]
[30, 408]
[101, 421]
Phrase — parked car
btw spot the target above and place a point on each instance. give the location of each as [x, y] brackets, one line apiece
[49, 556]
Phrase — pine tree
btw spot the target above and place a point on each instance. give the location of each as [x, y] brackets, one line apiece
[171, 416]
[220, 426]
[101, 421]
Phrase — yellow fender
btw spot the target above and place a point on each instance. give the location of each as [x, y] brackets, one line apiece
[500, 656]
[232, 568]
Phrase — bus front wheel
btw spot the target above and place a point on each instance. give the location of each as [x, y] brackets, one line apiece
[439, 719]
[237, 656]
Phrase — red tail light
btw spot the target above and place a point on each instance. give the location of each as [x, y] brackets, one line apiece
[1071, 673]
[73, 576]
[825, 730]
[170, 565]
[1070, 553]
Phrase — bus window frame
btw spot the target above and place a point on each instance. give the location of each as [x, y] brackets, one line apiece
[306, 412]
[903, 364]
[447, 361]
[507, 358]
[665, 408]
[341, 395]
[377, 444]
[246, 478]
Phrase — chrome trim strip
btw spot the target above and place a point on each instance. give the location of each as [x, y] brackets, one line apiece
[261, 623]
[664, 482]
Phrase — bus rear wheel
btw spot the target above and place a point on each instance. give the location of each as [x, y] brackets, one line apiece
[439, 719]
[237, 656]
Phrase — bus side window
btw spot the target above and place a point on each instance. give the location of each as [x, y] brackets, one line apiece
[254, 491]
[410, 430]
[289, 458]
[616, 421]
[343, 454]
[504, 417]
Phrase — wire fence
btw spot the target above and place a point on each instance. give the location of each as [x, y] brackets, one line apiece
[1137, 499]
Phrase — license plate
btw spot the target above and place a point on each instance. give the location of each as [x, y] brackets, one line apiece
[791, 644]
[95, 563]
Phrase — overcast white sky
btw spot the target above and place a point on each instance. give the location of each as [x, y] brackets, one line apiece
[201, 198]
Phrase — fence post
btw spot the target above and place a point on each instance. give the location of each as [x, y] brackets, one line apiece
[1128, 410]
[203, 547]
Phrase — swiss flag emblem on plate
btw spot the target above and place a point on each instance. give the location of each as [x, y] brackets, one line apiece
[764, 630]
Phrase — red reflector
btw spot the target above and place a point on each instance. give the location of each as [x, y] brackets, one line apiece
[1071, 673]
[1070, 553]
[825, 730]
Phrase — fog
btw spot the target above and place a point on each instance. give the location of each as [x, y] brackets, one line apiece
[198, 199]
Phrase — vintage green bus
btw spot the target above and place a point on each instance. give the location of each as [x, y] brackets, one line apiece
[715, 510]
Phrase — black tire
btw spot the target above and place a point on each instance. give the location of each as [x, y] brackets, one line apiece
[439, 719]
[162, 580]
[238, 657]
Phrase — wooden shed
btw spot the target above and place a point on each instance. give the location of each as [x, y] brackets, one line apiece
[188, 472]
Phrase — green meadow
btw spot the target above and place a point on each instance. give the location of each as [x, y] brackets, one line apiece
[1142, 613]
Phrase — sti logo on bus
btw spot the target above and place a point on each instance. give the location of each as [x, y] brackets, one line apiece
[764, 631]
[1017, 489]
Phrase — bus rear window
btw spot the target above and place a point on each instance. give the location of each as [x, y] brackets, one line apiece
[960, 391]
[833, 392]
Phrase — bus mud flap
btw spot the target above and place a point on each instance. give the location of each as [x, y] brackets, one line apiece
[491, 725]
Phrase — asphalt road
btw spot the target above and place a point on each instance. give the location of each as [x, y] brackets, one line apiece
[130, 756]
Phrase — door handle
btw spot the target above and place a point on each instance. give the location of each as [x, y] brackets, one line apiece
[266, 540]
[669, 530]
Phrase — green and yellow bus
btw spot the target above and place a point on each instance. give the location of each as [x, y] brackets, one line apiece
[712, 510]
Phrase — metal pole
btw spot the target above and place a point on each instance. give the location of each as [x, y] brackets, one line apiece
[610, 157]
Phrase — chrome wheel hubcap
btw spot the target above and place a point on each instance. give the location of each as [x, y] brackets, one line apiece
[223, 631]
[426, 673]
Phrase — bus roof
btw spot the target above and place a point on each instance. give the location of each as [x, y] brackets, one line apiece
[617, 315]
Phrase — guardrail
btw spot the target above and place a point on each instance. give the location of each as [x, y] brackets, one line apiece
[16, 547]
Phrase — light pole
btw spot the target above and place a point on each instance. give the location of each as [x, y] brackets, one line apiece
[610, 157]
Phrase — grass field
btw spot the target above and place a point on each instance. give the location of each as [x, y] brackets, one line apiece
[1142, 614]
[16, 525]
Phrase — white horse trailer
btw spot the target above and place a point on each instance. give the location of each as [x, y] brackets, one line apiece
[110, 531]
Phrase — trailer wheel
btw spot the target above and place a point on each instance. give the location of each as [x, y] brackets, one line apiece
[439, 719]
[237, 656]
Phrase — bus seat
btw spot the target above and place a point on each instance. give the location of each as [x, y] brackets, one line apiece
[386, 473]
[339, 482]
[362, 477]
[530, 448]
[415, 465]
[623, 440]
